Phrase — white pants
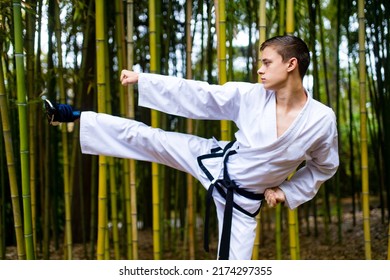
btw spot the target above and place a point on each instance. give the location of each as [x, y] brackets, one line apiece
[102, 134]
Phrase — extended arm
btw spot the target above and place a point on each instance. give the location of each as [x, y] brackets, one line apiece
[188, 98]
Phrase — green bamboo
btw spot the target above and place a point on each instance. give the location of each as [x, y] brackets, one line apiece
[292, 225]
[278, 231]
[101, 92]
[107, 240]
[131, 198]
[23, 129]
[262, 37]
[278, 209]
[221, 53]
[133, 217]
[292, 214]
[154, 117]
[363, 131]
[114, 206]
[12, 177]
[112, 178]
[94, 204]
[290, 22]
[64, 137]
[230, 25]
[210, 40]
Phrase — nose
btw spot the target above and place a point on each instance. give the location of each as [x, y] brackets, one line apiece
[260, 71]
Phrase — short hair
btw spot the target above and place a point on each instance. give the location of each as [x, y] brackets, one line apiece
[289, 46]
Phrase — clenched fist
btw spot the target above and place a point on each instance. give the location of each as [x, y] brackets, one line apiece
[273, 196]
[128, 77]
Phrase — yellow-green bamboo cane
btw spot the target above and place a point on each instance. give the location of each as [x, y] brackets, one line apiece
[114, 204]
[278, 231]
[132, 211]
[262, 38]
[101, 91]
[290, 22]
[155, 167]
[67, 189]
[278, 209]
[23, 129]
[9, 153]
[292, 214]
[221, 53]
[190, 179]
[363, 131]
[292, 224]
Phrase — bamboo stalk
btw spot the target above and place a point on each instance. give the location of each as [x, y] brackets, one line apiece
[154, 117]
[292, 225]
[278, 231]
[292, 214]
[221, 53]
[23, 129]
[101, 91]
[131, 210]
[363, 131]
[16, 211]
[290, 22]
[262, 37]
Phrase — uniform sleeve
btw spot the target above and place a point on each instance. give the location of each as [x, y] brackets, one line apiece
[321, 165]
[189, 98]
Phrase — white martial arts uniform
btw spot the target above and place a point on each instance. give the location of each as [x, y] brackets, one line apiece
[262, 160]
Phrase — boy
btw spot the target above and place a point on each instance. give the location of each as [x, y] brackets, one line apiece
[279, 127]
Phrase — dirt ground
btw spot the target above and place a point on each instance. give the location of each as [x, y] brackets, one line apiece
[312, 247]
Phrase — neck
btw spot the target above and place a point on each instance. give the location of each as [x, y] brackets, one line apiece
[291, 97]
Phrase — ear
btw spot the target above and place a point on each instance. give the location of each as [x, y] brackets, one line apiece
[292, 64]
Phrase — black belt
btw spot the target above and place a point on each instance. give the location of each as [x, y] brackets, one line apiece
[220, 185]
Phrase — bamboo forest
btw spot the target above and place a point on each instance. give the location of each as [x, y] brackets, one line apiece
[58, 203]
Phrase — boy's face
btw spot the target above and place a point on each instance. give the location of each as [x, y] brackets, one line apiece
[273, 70]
